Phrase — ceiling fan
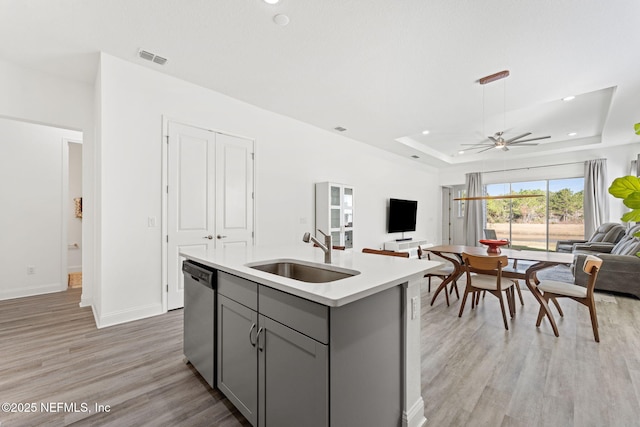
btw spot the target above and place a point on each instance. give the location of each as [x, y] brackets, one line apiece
[497, 141]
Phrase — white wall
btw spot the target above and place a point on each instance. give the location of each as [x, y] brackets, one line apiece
[37, 97]
[290, 157]
[32, 172]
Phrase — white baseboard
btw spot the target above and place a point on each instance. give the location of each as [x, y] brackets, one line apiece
[74, 269]
[124, 316]
[96, 316]
[415, 416]
[30, 291]
[86, 301]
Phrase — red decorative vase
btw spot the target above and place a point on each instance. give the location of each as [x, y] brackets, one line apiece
[493, 245]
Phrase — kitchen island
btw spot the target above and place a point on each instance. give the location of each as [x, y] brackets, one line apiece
[342, 352]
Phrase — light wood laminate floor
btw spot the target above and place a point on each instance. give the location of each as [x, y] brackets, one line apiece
[474, 373]
[51, 351]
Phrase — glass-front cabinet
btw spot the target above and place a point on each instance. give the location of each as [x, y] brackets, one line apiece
[334, 213]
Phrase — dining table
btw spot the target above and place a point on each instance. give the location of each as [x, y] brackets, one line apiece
[540, 259]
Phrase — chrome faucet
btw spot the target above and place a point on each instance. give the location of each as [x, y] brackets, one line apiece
[326, 247]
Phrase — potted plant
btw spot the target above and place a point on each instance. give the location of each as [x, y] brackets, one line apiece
[627, 188]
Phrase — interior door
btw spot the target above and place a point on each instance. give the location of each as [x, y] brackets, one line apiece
[210, 196]
[447, 214]
[234, 191]
[191, 200]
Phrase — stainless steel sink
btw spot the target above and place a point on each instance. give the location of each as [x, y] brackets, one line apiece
[304, 272]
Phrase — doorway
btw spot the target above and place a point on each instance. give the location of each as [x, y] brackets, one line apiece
[447, 206]
[209, 198]
[453, 215]
[34, 223]
[73, 200]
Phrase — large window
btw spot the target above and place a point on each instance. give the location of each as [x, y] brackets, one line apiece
[554, 213]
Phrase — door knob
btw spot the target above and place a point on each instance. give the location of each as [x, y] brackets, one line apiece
[221, 237]
[208, 237]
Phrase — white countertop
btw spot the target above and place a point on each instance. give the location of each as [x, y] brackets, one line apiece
[377, 272]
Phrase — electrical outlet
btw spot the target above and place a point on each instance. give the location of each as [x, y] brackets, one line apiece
[414, 307]
[31, 269]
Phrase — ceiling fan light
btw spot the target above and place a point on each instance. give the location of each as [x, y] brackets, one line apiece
[493, 77]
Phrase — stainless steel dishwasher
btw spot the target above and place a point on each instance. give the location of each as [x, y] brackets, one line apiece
[199, 319]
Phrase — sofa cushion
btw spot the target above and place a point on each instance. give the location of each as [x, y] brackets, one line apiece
[619, 273]
[627, 247]
[608, 232]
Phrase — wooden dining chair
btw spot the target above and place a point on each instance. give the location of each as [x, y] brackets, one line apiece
[484, 273]
[441, 273]
[515, 269]
[552, 289]
[383, 252]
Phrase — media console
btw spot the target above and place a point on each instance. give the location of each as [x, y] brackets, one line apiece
[404, 246]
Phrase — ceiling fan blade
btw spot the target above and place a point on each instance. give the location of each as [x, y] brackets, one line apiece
[517, 144]
[486, 149]
[479, 144]
[493, 139]
[532, 139]
[504, 148]
[517, 137]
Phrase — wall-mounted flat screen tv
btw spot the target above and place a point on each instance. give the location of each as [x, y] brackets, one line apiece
[402, 215]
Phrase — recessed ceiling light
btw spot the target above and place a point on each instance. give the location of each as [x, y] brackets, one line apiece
[568, 98]
[282, 20]
[340, 128]
[572, 133]
[415, 157]
[461, 152]
[425, 132]
[271, 1]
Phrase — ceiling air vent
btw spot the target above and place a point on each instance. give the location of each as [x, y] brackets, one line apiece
[159, 60]
[152, 57]
[340, 128]
[415, 157]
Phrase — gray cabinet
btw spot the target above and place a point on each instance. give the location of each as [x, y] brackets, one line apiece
[237, 358]
[293, 378]
[274, 374]
[286, 361]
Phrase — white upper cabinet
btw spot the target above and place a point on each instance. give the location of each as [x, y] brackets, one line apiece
[334, 212]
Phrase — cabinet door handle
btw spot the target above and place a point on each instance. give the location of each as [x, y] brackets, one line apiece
[258, 339]
[253, 343]
[220, 236]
